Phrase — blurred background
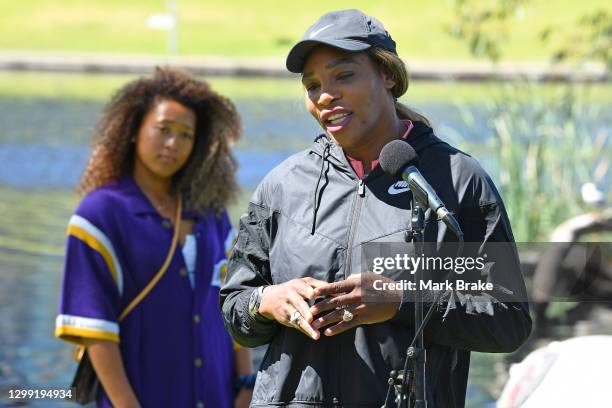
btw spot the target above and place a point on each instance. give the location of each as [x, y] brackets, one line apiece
[522, 85]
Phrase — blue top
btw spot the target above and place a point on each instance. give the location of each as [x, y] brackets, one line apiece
[174, 346]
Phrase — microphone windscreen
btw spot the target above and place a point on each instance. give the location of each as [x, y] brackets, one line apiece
[395, 156]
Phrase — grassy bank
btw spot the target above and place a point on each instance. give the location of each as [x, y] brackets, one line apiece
[264, 28]
[99, 87]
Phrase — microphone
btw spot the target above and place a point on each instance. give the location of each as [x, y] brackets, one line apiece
[400, 160]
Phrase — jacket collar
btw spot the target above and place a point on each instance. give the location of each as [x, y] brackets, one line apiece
[139, 203]
[421, 137]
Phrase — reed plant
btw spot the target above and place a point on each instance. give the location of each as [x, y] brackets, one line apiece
[546, 147]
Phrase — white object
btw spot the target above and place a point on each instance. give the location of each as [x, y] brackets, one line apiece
[189, 255]
[571, 373]
[161, 21]
[591, 194]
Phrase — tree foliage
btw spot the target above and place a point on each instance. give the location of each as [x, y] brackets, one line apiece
[485, 25]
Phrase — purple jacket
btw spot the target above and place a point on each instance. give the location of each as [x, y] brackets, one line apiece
[174, 347]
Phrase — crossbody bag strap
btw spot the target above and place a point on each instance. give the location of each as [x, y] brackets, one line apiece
[164, 267]
[80, 350]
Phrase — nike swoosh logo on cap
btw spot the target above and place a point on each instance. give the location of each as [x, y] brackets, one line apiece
[315, 33]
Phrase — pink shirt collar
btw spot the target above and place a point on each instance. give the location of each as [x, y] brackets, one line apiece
[357, 165]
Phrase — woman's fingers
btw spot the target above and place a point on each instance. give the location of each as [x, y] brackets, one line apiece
[299, 316]
[289, 305]
[299, 304]
[341, 310]
[297, 312]
[307, 329]
[342, 327]
[333, 303]
[303, 288]
[314, 283]
[346, 318]
[333, 288]
[340, 294]
[329, 318]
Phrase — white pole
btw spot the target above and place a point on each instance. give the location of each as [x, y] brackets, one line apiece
[173, 33]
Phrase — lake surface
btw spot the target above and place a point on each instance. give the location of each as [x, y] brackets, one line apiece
[44, 144]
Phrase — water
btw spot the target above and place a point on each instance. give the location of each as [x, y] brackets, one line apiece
[43, 149]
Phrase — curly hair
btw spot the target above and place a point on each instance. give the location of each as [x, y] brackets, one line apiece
[207, 180]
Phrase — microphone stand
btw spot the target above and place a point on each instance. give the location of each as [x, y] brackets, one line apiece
[417, 354]
[409, 383]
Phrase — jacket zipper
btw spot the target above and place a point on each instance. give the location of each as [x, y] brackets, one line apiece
[354, 220]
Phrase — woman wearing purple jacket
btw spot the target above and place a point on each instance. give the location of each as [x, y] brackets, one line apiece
[162, 147]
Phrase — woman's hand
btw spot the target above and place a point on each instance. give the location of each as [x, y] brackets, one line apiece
[286, 303]
[108, 364]
[347, 299]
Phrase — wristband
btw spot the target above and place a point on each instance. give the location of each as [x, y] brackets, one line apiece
[244, 382]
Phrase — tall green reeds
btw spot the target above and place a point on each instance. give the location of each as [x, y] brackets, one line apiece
[547, 142]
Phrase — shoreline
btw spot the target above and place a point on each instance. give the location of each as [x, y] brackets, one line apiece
[464, 71]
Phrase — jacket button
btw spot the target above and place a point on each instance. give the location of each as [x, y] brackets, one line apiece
[196, 318]
[197, 362]
[183, 272]
[166, 224]
[200, 404]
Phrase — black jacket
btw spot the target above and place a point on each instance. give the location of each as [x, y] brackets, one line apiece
[310, 216]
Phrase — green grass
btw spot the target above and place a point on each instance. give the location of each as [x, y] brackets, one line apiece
[240, 28]
[99, 87]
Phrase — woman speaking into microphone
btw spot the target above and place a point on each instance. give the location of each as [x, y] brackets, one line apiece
[290, 280]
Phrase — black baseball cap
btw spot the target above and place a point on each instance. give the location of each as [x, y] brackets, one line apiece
[349, 30]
